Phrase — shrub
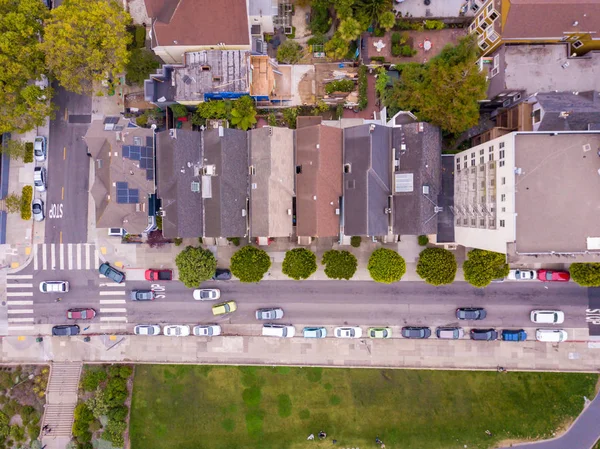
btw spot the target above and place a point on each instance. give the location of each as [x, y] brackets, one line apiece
[92, 378]
[4, 427]
[139, 36]
[434, 25]
[195, 266]
[118, 413]
[299, 263]
[320, 20]
[142, 62]
[289, 117]
[482, 267]
[177, 241]
[250, 264]
[339, 264]
[437, 266]
[13, 203]
[423, 240]
[339, 86]
[98, 404]
[234, 240]
[289, 52]
[380, 59]
[363, 100]
[83, 419]
[125, 371]
[399, 38]
[339, 111]
[355, 241]
[179, 110]
[386, 266]
[407, 51]
[272, 119]
[116, 391]
[28, 157]
[159, 222]
[26, 197]
[586, 274]
[114, 432]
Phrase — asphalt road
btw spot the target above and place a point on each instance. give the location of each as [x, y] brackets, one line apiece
[68, 169]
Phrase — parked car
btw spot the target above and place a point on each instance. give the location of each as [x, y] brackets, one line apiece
[65, 330]
[159, 275]
[39, 149]
[146, 329]
[222, 274]
[348, 332]
[380, 332]
[37, 210]
[416, 332]
[224, 307]
[553, 276]
[81, 314]
[39, 179]
[111, 273]
[522, 275]
[551, 335]
[176, 330]
[278, 330]
[142, 295]
[547, 316]
[54, 287]
[471, 313]
[314, 332]
[484, 334]
[207, 294]
[274, 313]
[208, 330]
[449, 333]
[514, 335]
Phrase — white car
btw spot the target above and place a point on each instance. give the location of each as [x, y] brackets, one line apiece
[176, 330]
[522, 275]
[146, 329]
[207, 294]
[551, 335]
[54, 286]
[37, 210]
[269, 314]
[208, 330]
[348, 332]
[547, 316]
[39, 148]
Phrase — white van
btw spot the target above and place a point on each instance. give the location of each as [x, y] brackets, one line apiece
[551, 335]
[278, 330]
[54, 286]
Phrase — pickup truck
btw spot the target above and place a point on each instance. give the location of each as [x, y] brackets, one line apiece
[159, 275]
[514, 335]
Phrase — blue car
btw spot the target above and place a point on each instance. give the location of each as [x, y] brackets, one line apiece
[514, 335]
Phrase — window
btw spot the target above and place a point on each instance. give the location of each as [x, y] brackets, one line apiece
[472, 162]
[481, 159]
[465, 221]
[537, 116]
[491, 149]
[483, 45]
[503, 209]
[474, 185]
[491, 157]
[503, 197]
[481, 151]
[483, 199]
[502, 223]
[501, 145]
[465, 157]
[577, 44]
[465, 165]
[501, 164]
[472, 222]
[501, 154]
[490, 7]
[503, 180]
[482, 168]
[482, 184]
[458, 221]
[472, 155]
[484, 25]
[493, 36]
[493, 16]
[458, 160]
[347, 168]
[482, 222]
[298, 169]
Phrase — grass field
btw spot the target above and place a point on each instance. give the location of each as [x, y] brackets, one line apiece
[211, 407]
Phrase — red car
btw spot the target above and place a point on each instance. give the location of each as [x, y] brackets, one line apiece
[553, 276]
[81, 314]
[159, 275]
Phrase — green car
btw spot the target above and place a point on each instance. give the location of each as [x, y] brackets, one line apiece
[380, 332]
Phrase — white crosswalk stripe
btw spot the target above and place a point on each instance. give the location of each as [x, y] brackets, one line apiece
[112, 301]
[60, 256]
[9, 294]
[112, 284]
[113, 293]
[113, 310]
[19, 285]
[19, 311]
[19, 276]
[19, 303]
[114, 318]
[21, 320]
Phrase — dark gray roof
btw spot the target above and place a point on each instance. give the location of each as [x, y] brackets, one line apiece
[225, 208]
[580, 112]
[179, 161]
[159, 85]
[445, 219]
[368, 150]
[419, 151]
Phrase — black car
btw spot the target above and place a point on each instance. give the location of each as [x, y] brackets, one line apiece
[111, 273]
[222, 274]
[416, 332]
[65, 330]
[471, 313]
[484, 334]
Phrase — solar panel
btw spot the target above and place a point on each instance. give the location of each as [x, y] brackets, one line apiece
[143, 162]
[126, 151]
[135, 153]
[112, 120]
[149, 175]
[121, 185]
[122, 199]
[134, 195]
[144, 152]
[149, 141]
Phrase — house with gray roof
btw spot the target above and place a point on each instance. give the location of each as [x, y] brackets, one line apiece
[566, 111]
[225, 183]
[179, 165]
[271, 181]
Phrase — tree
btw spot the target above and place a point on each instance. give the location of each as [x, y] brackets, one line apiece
[387, 20]
[336, 47]
[85, 41]
[250, 264]
[586, 274]
[339, 264]
[141, 64]
[382, 82]
[15, 149]
[4, 427]
[320, 20]
[437, 266]
[195, 266]
[423, 240]
[178, 110]
[13, 203]
[216, 109]
[343, 8]
[355, 241]
[289, 52]
[482, 267]
[370, 11]
[349, 29]
[243, 114]
[386, 266]
[299, 263]
[445, 91]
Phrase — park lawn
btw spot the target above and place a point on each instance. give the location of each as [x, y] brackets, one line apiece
[220, 407]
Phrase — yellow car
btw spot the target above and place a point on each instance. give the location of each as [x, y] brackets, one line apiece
[224, 307]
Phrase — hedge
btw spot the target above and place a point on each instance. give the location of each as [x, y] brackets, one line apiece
[28, 152]
[339, 86]
[363, 99]
[26, 198]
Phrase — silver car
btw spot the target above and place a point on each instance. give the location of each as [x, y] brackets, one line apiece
[274, 313]
[37, 210]
[146, 329]
[207, 330]
[39, 148]
[207, 294]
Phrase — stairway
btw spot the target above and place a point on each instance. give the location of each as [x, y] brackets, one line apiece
[61, 398]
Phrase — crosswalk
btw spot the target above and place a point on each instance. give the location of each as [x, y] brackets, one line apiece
[18, 307]
[113, 305]
[65, 256]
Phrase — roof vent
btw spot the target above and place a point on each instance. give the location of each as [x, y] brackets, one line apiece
[564, 114]
[221, 131]
[315, 197]
[438, 209]
[206, 68]
[575, 23]
[387, 210]
[195, 186]
[187, 80]
[371, 128]
[425, 190]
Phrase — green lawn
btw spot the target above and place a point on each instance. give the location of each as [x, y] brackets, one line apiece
[214, 407]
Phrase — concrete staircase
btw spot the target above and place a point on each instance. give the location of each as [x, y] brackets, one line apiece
[61, 398]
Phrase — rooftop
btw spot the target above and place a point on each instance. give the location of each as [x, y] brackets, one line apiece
[566, 111]
[556, 194]
[262, 8]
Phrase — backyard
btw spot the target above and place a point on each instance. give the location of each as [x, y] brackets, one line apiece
[218, 407]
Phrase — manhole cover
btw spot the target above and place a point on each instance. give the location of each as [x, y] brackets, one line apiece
[74, 118]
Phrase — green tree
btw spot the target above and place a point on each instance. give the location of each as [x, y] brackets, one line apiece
[349, 29]
[336, 47]
[15, 149]
[343, 8]
[243, 114]
[92, 378]
[13, 203]
[141, 64]
[250, 264]
[446, 90]
[4, 427]
[371, 11]
[386, 266]
[355, 241]
[482, 267]
[339, 264]
[289, 52]
[299, 263]
[178, 110]
[85, 41]
[320, 20]
[423, 240]
[98, 404]
[586, 274]
[290, 115]
[195, 266]
[114, 432]
[217, 110]
[381, 82]
[437, 266]
[387, 20]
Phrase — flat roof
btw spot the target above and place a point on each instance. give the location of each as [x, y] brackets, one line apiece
[557, 194]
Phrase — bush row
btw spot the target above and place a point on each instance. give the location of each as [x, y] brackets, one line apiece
[26, 197]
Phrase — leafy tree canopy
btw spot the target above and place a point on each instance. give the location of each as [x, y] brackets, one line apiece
[586, 274]
[289, 52]
[349, 29]
[482, 267]
[437, 266]
[243, 114]
[178, 110]
[142, 63]
[386, 266]
[387, 20]
[217, 109]
[339, 264]
[195, 266]
[299, 263]
[250, 264]
[336, 47]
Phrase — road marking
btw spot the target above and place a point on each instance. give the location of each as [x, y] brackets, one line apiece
[114, 318]
[19, 303]
[87, 257]
[21, 320]
[79, 257]
[96, 259]
[111, 301]
[35, 258]
[59, 239]
[19, 285]
[112, 326]
[62, 195]
[70, 255]
[19, 276]
[15, 265]
[28, 251]
[62, 256]
[119, 293]
[114, 310]
[44, 257]
[66, 114]
[20, 328]
[53, 253]
[19, 294]
[19, 311]
[112, 284]
[64, 155]
[103, 250]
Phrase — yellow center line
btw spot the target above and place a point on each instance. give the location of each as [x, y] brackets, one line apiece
[65, 153]
[66, 114]
[60, 237]
[62, 195]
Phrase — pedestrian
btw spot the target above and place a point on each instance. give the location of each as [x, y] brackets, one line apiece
[58, 300]
[377, 440]
[334, 441]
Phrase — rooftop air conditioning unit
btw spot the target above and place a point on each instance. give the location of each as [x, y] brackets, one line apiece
[209, 170]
